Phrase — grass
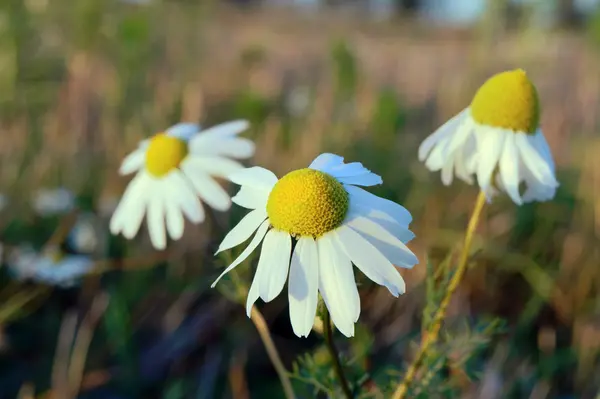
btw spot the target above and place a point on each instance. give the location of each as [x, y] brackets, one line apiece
[81, 83]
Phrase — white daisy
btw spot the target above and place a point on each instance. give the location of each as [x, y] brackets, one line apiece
[333, 223]
[51, 267]
[85, 236]
[498, 139]
[57, 201]
[173, 169]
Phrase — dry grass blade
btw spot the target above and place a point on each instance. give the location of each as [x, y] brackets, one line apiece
[82, 343]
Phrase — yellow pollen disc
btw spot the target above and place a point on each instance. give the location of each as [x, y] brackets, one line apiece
[164, 154]
[507, 100]
[307, 202]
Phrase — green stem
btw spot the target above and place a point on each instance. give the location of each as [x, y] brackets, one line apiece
[433, 333]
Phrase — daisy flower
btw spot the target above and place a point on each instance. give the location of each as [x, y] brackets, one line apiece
[173, 169]
[51, 267]
[50, 202]
[331, 224]
[498, 139]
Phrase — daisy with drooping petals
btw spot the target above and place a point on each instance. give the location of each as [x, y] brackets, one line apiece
[497, 138]
[174, 168]
[333, 224]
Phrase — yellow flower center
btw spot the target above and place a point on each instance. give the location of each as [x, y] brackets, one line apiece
[307, 202]
[507, 100]
[164, 153]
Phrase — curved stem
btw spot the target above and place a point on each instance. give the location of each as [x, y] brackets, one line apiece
[263, 331]
[339, 371]
[433, 333]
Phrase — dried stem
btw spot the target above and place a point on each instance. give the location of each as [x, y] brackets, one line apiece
[433, 333]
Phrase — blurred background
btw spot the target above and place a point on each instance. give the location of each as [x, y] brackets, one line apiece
[87, 315]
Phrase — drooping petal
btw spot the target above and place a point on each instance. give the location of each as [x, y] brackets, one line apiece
[490, 143]
[535, 163]
[369, 260]
[440, 134]
[130, 211]
[303, 286]
[391, 247]
[187, 199]
[173, 215]
[275, 262]
[509, 169]
[243, 230]
[337, 285]
[365, 198]
[207, 188]
[260, 233]
[156, 217]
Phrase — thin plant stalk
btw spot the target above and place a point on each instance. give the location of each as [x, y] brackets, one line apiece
[337, 365]
[265, 335]
[432, 335]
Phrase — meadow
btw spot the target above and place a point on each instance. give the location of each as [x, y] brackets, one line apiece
[82, 82]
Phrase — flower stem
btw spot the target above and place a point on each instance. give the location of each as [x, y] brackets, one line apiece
[265, 335]
[431, 336]
[339, 372]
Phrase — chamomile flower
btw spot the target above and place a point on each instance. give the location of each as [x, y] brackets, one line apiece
[51, 267]
[173, 169]
[498, 139]
[50, 202]
[315, 223]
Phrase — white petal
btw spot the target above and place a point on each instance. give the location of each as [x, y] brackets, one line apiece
[369, 260]
[183, 131]
[253, 293]
[156, 216]
[348, 170]
[243, 230]
[544, 149]
[490, 142]
[209, 190]
[303, 286]
[440, 134]
[173, 215]
[400, 231]
[326, 161]
[260, 233]
[370, 179]
[238, 147]
[274, 262]
[337, 285]
[251, 198]
[187, 200]
[215, 166]
[391, 247]
[130, 211]
[256, 177]
[465, 161]
[371, 201]
[133, 162]
[219, 132]
[509, 169]
[454, 150]
[535, 163]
